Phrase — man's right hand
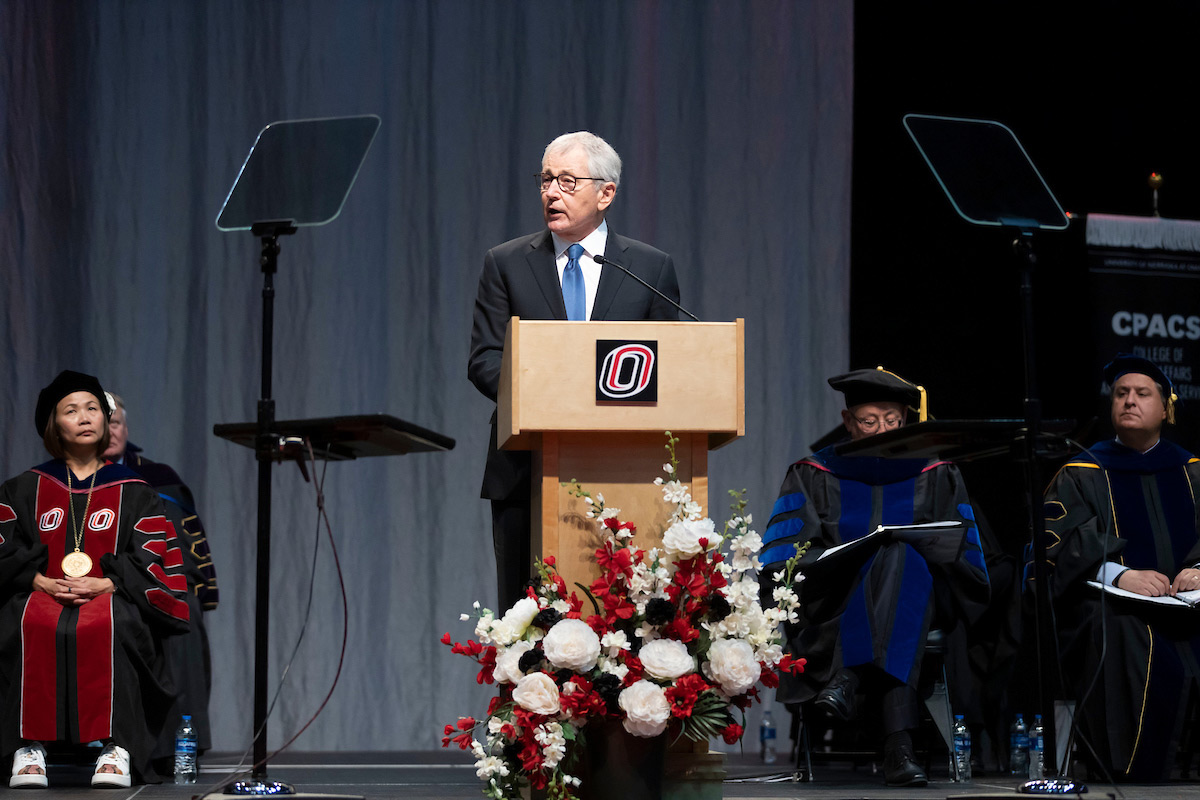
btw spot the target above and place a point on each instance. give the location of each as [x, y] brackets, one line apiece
[1144, 581]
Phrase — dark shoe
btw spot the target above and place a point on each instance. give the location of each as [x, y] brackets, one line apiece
[837, 698]
[900, 768]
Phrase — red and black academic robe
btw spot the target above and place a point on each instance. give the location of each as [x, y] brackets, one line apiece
[188, 657]
[92, 672]
[881, 613]
[1138, 510]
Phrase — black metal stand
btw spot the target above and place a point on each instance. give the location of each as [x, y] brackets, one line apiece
[264, 450]
[990, 180]
[1034, 515]
[270, 200]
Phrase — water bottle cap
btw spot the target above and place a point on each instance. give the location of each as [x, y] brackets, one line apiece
[958, 716]
[187, 716]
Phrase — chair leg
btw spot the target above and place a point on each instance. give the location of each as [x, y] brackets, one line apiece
[940, 711]
[803, 746]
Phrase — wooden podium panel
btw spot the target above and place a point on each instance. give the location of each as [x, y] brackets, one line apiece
[548, 404]
[548, 380]
[620, 466]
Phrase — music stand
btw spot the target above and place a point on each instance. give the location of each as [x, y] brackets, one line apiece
[298, 174]
[990, 180]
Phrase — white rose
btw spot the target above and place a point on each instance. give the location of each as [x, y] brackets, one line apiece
[508, 669]
[502, 633]
[666, 659]
[521, 614]
[731, 663]
[683, 538]
[538, 693]
[646, 709]
[572, 644]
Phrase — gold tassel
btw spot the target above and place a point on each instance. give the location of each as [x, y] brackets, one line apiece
[922, 404]
[1171, 407]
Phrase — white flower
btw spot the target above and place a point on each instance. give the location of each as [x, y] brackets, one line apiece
[483, 627]
[675, 492]
[502, 633]
[486, 767]
[614, 642]
[538, 693]
[646, 709]
[666, 659]
[731, 663]
[572, 644]
[508, 668]
[613, 668]
[683, 538]
[495, 724]
[521, 614]
[554, 744]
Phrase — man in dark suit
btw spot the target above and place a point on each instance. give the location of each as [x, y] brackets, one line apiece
[552, 275]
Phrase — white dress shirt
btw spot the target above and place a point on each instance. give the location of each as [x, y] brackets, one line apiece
[593, 243]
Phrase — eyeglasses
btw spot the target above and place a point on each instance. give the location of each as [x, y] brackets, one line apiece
[565, 182]
[872, 424]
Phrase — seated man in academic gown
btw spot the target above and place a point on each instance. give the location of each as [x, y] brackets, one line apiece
[1123, 513]
[865, 632]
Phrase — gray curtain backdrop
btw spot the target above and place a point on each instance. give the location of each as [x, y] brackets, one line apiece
[122, 127]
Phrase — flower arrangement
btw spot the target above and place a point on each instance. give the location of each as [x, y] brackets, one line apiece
[676, 641]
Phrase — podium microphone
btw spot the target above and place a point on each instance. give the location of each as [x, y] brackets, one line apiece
[602, 260]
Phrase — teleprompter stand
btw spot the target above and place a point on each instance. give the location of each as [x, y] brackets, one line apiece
[298, 174]
[991, 181]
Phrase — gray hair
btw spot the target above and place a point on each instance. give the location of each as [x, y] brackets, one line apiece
[603, 161]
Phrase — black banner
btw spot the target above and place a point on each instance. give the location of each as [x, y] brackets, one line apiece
[1146, 301]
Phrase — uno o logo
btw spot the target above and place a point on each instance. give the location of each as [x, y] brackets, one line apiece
[51, 519]
[101, 520]
[626, 371]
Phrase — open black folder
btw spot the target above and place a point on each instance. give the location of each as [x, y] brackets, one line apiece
[936, 542]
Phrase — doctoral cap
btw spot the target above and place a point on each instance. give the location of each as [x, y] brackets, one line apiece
[880, 386]
[1125, 363]
[67, 382]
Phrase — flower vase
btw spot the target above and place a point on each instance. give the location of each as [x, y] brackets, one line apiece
[621, 766]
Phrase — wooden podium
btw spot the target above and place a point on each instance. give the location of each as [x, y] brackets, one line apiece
[548, 404]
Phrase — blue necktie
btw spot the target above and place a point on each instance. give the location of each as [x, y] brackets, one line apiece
[574, 295]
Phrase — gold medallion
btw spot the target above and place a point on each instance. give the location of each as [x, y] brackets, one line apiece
[77, 564]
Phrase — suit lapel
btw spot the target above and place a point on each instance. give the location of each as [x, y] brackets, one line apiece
[610, 277]
[541, 263]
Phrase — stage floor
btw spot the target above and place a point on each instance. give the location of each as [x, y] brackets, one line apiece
[448, 775]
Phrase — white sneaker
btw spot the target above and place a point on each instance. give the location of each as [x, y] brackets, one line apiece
[33, 755]
[115, 756]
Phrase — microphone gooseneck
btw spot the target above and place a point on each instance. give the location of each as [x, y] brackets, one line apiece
[602, 260]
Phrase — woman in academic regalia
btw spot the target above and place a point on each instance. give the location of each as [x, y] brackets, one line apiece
[90, 575]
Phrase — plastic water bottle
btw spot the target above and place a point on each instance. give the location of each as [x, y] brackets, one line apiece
[766, 737]
[1018, 748]
[1037, 750]
[186, 768]
[962, 749]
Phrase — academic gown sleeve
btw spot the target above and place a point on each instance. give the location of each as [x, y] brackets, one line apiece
[147, 568]
[22, 553]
